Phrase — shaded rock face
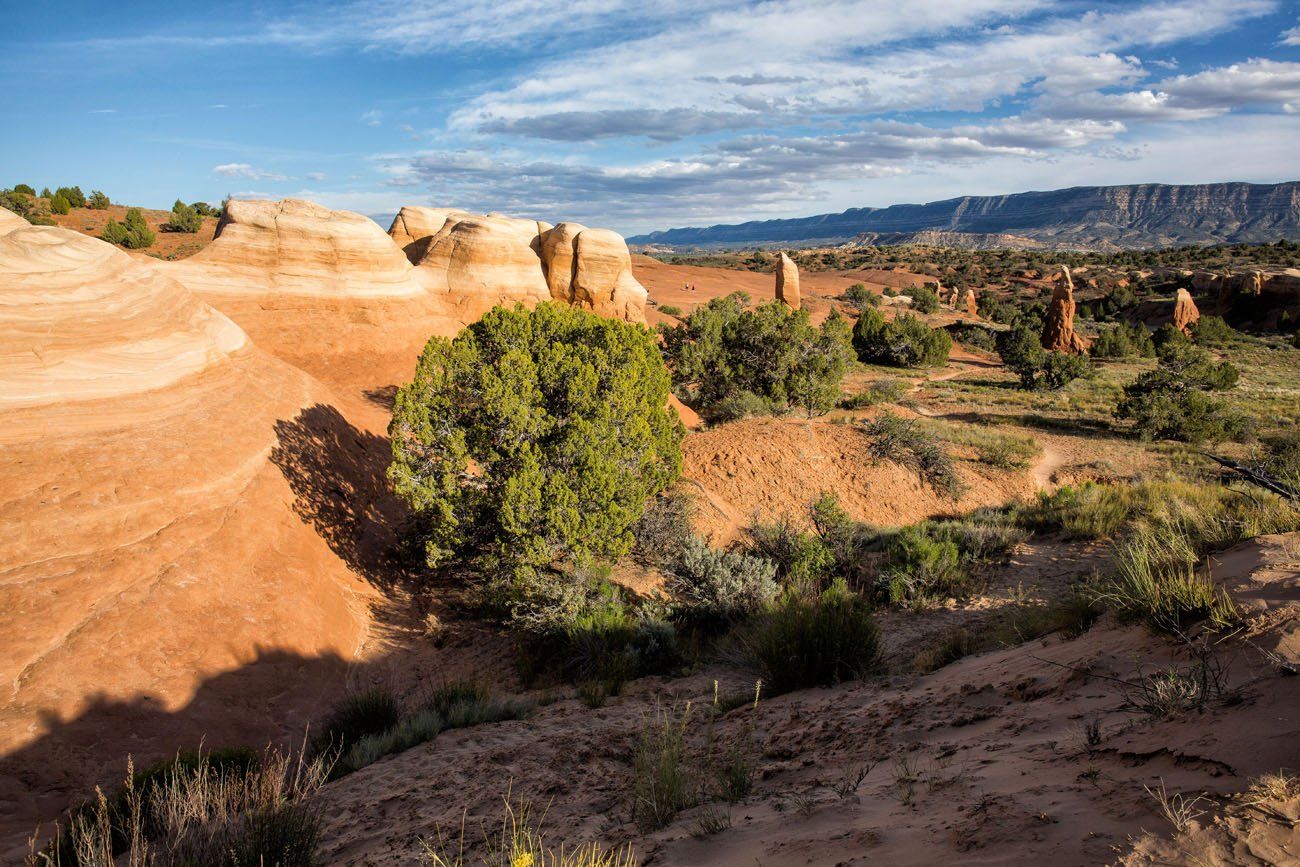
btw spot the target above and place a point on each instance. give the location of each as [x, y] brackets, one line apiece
[1258, 298]
[1185, 312]
[1058, 327]
[478, 262]
[787, 282]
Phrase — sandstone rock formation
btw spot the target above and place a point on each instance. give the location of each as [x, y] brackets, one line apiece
[327, 291]
[475, 262]
[787, 281]
[599, 271]
[1185, 312]
[293, 247]
[167, 584]
[1058, 327]
[970, 304]
[414, 227]
[10, 221]
[1260, 298]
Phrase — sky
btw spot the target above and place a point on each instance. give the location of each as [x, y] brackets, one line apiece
[641, 116]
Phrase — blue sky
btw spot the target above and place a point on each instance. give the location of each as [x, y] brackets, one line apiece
[644, 116]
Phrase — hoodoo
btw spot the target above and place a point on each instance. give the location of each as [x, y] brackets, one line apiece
[1058, 326]
[476, 262]
[787, 282]
[1185, 313]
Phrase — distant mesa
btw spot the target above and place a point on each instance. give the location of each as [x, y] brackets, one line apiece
[84, 320]
[1089, 218]
[787, 281]
[478, 261]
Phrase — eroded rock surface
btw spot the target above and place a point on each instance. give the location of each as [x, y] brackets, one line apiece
[1058, 327]
[787, 282]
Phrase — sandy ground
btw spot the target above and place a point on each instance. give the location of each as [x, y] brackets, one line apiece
[166, 245]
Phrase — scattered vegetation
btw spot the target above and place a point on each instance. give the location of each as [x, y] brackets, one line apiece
[534, 439]
[803, 642]
[519, 841]
[730, 361]
[199, 809]
[905, 341]
[906, 443]
[1177, 401]
[134, 233]
[98, 201]
[183, 219]
[1023, 353]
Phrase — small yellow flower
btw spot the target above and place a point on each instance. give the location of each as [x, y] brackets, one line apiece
[523, 859]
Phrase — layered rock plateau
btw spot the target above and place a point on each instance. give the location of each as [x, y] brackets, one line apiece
[166, 585]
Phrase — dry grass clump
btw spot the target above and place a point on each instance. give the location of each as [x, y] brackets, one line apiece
[198, 813]
[1164, 529]
[906, 443]
[520, 842]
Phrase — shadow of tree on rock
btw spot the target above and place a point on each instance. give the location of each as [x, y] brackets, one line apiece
[337, 474]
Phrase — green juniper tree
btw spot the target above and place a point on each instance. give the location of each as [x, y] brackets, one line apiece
[534, 438]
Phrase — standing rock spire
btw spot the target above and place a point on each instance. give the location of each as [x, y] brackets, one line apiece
[787, 282]
[1058, 327]
[1186, 313]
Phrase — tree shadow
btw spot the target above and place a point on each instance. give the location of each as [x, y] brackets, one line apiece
[337, 474]
[269, 700]
[1072, 425]
[384, 396]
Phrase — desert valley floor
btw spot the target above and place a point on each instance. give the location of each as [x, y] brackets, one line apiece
[201, 548]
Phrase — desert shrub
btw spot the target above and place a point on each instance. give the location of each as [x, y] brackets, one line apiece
[1023, 353]
[720, 587]
[199, 812]
[663, 528]
[585, 629]
[17, 201]
[46, 194]
[670, 310]
[25, 189]
[114, 232]
[904, 342]
[1088, 512]
[879, 391]
[183, 219]
[203, 209]
[933, 560]
[535, 437]
[451, 706]
[133, 234]
[59, 205]
[741, 405]
[1213, 331]
[370, 712]
[1169, 336]
[724, 351]
[1156, 582]
[1175, 401]
[860, 297]
[924, 299]
[906, 443]
[519, 841]
[72, 195]
[951, 646]
[663, 783]
[974, 336]
[1059, 369]
[803, 642]
[1123, 341]
[801, 558]
[1281, 460]
[98, 201]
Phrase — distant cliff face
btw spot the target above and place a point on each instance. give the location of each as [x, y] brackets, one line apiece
[1101, 218]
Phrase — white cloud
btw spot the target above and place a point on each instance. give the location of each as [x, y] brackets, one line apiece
[244, 170]
[315, 176]
[1291, 37]
[374, 117]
